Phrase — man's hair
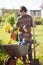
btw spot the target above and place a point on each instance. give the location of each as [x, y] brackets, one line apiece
[23, 8]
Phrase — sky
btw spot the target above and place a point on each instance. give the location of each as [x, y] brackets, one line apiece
[16, 4]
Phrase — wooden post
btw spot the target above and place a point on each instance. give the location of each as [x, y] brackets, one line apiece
[34, 35]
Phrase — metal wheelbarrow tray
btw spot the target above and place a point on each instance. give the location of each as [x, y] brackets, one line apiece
[15, 50]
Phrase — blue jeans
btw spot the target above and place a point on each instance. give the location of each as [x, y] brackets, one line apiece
[19, 38]
[21, 42]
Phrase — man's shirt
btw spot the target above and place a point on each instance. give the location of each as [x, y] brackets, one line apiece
[24, 20]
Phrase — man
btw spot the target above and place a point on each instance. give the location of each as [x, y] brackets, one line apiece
[23, 20]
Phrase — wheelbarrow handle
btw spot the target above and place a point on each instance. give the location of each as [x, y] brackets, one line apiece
[33, 48]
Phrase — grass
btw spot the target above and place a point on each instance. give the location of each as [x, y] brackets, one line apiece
[39, 39]
[38, 36]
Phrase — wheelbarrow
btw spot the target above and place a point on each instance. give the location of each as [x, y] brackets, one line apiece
[14, 52]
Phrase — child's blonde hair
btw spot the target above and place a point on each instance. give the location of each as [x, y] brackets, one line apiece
[26, 26]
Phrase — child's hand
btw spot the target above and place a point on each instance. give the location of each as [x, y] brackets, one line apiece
[28, 44]
[23, 39]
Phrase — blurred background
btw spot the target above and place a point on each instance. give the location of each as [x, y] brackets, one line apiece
[9, 12]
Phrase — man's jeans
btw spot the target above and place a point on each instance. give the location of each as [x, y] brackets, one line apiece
[21, 42]
[19, 39]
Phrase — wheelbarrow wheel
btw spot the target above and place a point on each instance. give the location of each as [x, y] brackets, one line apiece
[9, 61]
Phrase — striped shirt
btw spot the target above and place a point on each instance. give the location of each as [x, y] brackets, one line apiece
[27, 36]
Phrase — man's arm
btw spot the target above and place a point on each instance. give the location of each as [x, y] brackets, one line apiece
[17, 23]
[33, 23]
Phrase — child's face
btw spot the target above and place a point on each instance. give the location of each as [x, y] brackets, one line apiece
[25, 29]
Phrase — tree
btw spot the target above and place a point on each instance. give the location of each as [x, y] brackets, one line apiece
[10, 18]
